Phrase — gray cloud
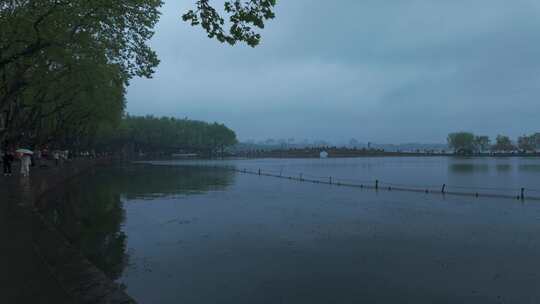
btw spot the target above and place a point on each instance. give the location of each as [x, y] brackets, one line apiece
[396, 71]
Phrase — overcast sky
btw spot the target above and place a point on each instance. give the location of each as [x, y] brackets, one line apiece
[381, 71]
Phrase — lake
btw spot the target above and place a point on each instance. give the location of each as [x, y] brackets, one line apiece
[198, 232]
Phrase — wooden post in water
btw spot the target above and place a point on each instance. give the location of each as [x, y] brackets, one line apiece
[443, 190]
[377, 184]
[259, 171]
[522, 196]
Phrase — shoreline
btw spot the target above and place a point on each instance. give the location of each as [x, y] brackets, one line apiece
[404, 155]
[360, 154]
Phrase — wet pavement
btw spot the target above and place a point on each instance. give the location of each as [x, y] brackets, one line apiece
[38, 265]
[25, 277]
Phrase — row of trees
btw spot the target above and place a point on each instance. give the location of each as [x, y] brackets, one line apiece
[150, 134]
[469, 143]
[65, 64]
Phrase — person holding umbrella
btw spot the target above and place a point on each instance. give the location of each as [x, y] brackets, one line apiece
[7, 159]
[25, 161]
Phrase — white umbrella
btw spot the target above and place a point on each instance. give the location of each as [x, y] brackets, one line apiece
[24, 151]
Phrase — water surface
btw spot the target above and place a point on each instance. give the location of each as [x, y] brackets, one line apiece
[193, 233]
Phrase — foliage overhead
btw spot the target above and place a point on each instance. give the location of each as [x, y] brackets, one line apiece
[244, 19]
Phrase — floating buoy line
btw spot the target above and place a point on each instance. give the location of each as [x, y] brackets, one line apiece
[378, 185]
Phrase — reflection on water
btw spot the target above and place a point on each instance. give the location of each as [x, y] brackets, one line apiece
[163, 181]
[504, 168]
[468, 168]
[529, 168]
[90, 212]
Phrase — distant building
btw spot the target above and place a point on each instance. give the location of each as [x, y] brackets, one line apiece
[323, 154]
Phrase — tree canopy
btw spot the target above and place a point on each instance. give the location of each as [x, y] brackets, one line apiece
[503, 144]
[468, 143]
[529, 143]
[482, 143]
[462, 142]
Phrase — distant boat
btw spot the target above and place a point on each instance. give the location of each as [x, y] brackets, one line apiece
[323, 154]
[185, 155]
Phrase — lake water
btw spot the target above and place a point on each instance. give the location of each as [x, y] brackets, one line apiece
[191, 232]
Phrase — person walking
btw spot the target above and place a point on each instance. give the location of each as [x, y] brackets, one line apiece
[37, 158]
[7, 159]
[25, 165]
[56, 157]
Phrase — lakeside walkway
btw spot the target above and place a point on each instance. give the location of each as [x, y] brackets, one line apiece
[38, 264]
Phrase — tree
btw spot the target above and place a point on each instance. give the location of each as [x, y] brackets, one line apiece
[536, 138]
[481, 143]
[462, 142]
[527, 143]
[221, 137]
[503, 144]
[72, 105]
